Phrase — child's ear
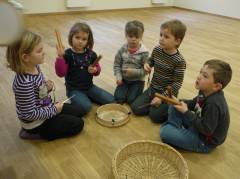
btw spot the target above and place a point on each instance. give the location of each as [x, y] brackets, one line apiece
[25, 58]
[217, 86]
[178, 41]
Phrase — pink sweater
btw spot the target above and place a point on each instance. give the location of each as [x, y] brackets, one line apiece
[61, 67]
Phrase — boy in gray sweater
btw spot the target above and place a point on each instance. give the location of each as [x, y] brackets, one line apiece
[129, 63]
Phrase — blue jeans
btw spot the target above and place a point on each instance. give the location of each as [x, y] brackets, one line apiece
[177, 131]
[84, 98]
[140, 107]
[128, 91]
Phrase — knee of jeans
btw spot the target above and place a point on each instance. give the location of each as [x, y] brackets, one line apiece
[80, 122]
[112, 100]
[171, 109]
[164, 134]
[117, 96]
[80, 125]
[109, 99]
[130, 100]
[83, 107]
[156, 118]
[77, 125]
[87, 107]
[135, 108]
[119, 100]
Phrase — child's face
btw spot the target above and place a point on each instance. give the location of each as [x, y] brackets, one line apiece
[205, 81]
[79, 41]
[133, 41]
[36, 56]
[167, 41]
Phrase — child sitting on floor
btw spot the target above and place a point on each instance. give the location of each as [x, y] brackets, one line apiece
[38, 114]
[201, 124]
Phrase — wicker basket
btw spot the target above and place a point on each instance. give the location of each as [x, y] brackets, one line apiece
[112, 115]
[149, 160]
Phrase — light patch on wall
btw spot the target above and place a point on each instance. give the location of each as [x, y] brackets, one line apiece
[77, 3]
[158, 1]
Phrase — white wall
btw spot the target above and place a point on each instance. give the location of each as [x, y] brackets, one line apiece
[228, 8]
[52, 6]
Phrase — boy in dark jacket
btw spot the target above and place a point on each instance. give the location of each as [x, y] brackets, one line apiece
[201, 124]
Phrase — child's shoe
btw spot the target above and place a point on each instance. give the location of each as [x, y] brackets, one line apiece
[27, 135]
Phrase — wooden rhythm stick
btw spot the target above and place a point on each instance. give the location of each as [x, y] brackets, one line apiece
[97, 60]
[167, 99]
[149, 79]
[169, 90]
[68, 99]
[59, 40]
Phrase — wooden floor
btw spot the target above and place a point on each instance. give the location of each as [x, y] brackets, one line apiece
[89, 154]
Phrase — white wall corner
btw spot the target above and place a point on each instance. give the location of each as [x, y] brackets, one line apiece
[16, 4]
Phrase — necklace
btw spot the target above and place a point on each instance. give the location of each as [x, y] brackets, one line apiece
[81, 60]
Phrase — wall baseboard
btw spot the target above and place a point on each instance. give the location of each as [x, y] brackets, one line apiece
[126, 9]
[94, 11]
[203, 12]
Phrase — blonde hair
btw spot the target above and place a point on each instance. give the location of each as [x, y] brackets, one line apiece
[15, 51]
[176, 27]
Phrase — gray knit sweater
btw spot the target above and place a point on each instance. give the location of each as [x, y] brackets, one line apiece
[124, 60]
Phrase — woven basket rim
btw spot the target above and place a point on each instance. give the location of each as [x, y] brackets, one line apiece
[104, 123]
[114, 167]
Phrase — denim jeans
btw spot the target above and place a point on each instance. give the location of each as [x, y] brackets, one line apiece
[140, 107]
[177, 131]
[128, 91]
[84, 98]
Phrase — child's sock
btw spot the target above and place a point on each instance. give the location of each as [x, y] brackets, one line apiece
[27, 135]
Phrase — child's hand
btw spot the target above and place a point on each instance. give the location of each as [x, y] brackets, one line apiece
[147, 68]
[181, 107]
[128, 72]
[59, 107]
[49, 85]
[92, 69]
[60, 51]
[119, 82]
[156, 101]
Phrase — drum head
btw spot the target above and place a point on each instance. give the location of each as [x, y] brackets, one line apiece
[112, 115]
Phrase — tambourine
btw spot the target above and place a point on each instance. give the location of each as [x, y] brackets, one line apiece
[112, 115]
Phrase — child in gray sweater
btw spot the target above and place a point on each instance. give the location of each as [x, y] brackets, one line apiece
[129, 64]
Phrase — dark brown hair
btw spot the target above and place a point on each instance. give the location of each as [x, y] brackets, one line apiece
[134, 28]
[176, 27]
[222, 71]
[81, 26]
